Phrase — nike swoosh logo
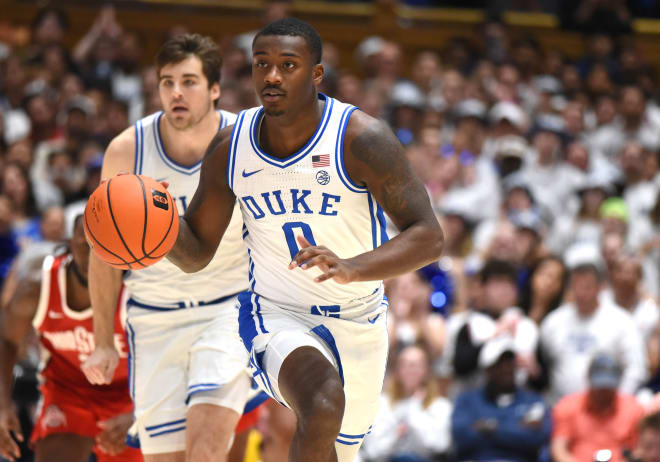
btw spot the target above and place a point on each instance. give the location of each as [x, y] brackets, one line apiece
[371, 321]
[245, 174]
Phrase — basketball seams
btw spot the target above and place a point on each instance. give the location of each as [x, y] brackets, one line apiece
[146, 216]
[167, 232]
[114, 222]
[105, 228]
[91, 234]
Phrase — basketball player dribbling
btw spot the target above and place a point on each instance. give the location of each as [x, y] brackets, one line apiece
[311, 174]
[189, 367]
[75, 417]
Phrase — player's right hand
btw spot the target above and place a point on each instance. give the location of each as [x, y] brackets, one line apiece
[100, 367]
[9, 424]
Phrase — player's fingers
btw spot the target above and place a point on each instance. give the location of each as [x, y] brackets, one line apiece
[15, 426]
[331, 273]
[319, 260]
[166, 184]
[303, 242]
[303, 255]
[93, 374]
[107, 376]
[8, 447]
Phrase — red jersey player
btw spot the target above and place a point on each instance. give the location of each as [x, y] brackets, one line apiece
[75, 418]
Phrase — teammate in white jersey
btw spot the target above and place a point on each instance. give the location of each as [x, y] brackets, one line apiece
[188, 365]
[309, 172]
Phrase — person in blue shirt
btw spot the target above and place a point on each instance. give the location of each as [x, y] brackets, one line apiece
[499, 421]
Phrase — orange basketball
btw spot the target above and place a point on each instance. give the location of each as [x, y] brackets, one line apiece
[131, 221]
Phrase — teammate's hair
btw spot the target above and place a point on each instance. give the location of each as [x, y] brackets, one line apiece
[650, 422]
[184, 46]
[498, 268]
[295, 28]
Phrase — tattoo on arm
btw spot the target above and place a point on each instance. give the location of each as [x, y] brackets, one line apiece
[389, 176]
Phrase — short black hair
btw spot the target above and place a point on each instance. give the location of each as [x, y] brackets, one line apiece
[583, 268]
[499, 268]
[295, 28]
[650, 422]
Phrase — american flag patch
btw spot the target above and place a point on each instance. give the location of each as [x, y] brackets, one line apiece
[322, 160]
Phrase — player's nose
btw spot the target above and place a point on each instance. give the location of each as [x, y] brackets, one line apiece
[273, 76]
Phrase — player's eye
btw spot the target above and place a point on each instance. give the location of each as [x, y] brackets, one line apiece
[289, 65]
[167, 83]
[189, 82]
[262, 64]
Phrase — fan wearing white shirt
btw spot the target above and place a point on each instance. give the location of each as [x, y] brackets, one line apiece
[573, 333]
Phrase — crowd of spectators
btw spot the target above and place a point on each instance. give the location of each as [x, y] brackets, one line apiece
[537, 334]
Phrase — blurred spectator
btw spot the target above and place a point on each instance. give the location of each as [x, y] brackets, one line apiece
[410, 319]
[277, 424]
[412, 424]
[576, 331]
[8, 243]
[497, 314]
[648, 444]
[545, 289]
[600, 418]
[499, 421]
[15, 185]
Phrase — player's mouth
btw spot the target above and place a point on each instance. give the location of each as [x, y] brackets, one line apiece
[179, 109]
[271, 96]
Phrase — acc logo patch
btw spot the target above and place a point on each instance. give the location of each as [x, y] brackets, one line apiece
[323, 177]
[160, 199]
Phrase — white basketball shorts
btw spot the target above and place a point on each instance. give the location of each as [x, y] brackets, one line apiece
[177, 355]
[357, 347]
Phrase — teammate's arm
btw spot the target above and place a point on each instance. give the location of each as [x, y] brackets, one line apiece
[104, 280]
[15, 324]
[209, 212]
[375, 158]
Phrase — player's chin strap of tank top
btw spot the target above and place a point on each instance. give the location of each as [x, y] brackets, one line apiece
[76, 272]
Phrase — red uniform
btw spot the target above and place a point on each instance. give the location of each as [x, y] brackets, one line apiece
[70, 404]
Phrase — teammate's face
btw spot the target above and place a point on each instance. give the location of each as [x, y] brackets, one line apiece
[284, 74]
[185, 93]
[79, 247]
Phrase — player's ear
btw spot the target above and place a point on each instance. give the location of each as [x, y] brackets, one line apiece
[317, 74]
[215, 91]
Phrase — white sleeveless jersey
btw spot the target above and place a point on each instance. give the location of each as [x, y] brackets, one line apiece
[164, 283]
[309, 193]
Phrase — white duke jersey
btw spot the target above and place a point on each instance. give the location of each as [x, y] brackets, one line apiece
[164, 283]
[308, 193]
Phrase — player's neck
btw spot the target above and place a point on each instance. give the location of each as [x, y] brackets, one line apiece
[188, 146]
[77, 294]
[282, 136]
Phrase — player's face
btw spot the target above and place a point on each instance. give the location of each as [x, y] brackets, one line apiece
[79, 246]
[185, 93]
[284, 74]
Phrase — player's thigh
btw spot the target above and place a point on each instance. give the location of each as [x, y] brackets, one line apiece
[362, 350]
[63, 447]
[166, 457]
[127, 455]
[208, 424]
[213, 414]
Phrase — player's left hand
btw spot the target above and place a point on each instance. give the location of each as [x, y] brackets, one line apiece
[112, 439]
[333, 267]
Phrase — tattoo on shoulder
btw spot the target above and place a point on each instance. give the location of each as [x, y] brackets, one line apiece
[395, 185]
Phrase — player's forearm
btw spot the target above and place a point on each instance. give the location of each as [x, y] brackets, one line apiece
[104, 286]
[8, 356]
[417, 246]
[190, 253]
